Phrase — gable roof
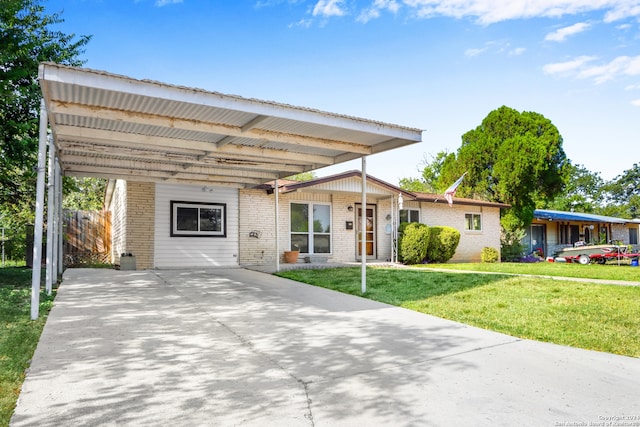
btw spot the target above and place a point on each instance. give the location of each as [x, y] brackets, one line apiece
[553, 215]
[327, 181]
[112, 126]
[439, 198]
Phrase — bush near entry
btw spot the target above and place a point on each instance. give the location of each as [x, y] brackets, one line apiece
[443, 242]
[414, 243]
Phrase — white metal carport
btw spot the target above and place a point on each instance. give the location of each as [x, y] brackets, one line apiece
[112, 126]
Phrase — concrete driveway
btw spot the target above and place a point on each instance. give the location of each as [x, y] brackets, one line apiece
[226, 347]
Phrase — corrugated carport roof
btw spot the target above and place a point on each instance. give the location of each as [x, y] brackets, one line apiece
[114, 126]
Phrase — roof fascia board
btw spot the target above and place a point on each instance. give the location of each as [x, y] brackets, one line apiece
[106, 81]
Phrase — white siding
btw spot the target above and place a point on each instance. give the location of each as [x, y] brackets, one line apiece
[350, 185]
[195, 251]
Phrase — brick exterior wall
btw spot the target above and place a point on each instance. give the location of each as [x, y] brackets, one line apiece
[257, 239]
[256, 219]
[471, 242]
[118, 220]
[132, 209]
[140, 222]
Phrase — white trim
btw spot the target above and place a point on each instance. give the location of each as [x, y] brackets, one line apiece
[473, 230]
[311, 232]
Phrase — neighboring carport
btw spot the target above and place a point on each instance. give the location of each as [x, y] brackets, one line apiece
[112, 126]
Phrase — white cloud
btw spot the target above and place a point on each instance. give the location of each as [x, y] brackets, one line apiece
[517, 51]
[581, 68]
[373, 12]
[568, 66]
[622, 65]
[304, 23]
[636, 102]
[633, 87]
[492, 11]
[328, 8]
[562, 33]
[474, 52]
[623, 9]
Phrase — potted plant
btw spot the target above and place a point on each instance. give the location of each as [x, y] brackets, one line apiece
[291, 257]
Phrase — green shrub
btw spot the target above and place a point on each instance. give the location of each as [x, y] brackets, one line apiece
[413, 243]
[511, 247]
[489, 255]
[443, 242]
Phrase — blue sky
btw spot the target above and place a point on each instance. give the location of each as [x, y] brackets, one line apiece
[440, 66]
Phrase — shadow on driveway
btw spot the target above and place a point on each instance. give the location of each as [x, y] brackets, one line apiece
[238, 347]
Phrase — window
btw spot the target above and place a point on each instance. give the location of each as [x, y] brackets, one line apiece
[473, 222]
[311, 228]
[633, 236]
[409, 215]
[193, 219]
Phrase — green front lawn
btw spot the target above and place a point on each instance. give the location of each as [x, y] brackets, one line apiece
[19, 335]
[586, 315]
[610, 271]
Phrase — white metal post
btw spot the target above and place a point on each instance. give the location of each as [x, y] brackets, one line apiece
[50, 217]
[400, 206]
[37, 231]
[277, 228]
[56, 214]
[60, 222]
[363, 228]
[393, 229]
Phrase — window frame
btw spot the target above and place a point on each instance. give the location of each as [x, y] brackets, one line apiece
[473, 214]
[409, 212]
[175, 204]
[310, 233]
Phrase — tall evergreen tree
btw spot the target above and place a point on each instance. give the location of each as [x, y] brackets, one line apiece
[512, 157]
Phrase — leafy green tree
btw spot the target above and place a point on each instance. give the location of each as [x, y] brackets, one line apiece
[26, 39]
[622, 194]
[512, 157]
[84, 194]
[430, 174]
[303, 176]
[582, 193]
[414, 184]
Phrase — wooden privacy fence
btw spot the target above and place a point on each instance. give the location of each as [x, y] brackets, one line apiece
[87, 237]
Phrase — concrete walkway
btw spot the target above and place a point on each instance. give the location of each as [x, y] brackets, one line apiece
[227, 347]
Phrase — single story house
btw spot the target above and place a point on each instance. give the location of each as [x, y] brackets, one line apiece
[553, 230]
[169, 225]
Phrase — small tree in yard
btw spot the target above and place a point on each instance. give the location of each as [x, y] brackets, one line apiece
[443, 242]
[414, 243]
[511, 245]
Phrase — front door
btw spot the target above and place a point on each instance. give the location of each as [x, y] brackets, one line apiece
[537, 239]
[370, 232]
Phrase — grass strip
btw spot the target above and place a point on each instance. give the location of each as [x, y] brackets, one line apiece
[19, 335]
[610, 271]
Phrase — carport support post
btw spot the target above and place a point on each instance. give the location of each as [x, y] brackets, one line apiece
[60, 222]
[277, 229]
[37, 231]
[51, 212]
[363, 227]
